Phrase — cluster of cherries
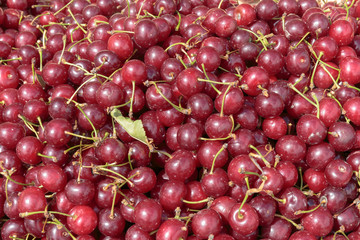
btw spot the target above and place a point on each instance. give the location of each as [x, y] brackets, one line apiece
[179, 119]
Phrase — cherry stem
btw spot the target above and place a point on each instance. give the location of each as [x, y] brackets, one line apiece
[79, 136]
[208, 79]
[46, 156]
[247, 183]
[87, 118]
[162, 152]
[96, 169]
[314, 69]
[301, 179]
[127, 203]
[8, 177]
[242, 204]
[196, 202]
[301, 94]
[347, 8]
[132, 99]
[64, 7]
[114, 190]
[336, 85]
[342, 231]
[224, 146]
[179, 22]
[267, 164]
[57, 222]
[78, 89]
[260, 39]
[180, 109]
[26, 214]
[317, 104]
[178, 43]
[323, 201]
[301, 40]
[298, 226]
[223, 100]
[29, 125]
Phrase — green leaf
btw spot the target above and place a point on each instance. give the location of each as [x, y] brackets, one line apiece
[134, 128]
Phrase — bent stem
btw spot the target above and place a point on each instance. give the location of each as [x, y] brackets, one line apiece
[314, 70]
[224, 146]
[298, 226]
[267, 164]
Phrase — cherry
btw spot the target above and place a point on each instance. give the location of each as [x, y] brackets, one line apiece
[11, 134]
[239, 164]
[291, 148]
[216, 183]
[294, 202]
[347, 219]
[13, 228]
[80, 192]
[319, 222]
[243, 218]
[82, 220]
[194, 193]
[135, 232]
[342, 32]
[267, 10]
[347, 73]
[254, 77]
[338, 173]
[181, 165]
[341, 136]
[278, 229]
[111, 223]
[32, 199]
[265, 206]
[187, 82]
[297, 61]
[147, 214]
[111, 151]
[172, 228]
[205, 223]
[52, 177]
[121, 44]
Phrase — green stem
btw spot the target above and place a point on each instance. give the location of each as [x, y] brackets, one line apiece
[313, 72]
[224, 146]
[196, 202]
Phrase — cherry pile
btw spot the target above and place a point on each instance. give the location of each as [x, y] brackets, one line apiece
[179, 119]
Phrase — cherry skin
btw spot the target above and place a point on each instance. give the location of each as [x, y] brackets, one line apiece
[55, 132]
[10, 134]
[311, 130]
[341, 136]
[205, 223]
[144, 180]
[215, 184]
[291, 148]
[295, 201]
[338, 173]
[111, 223]
[319, 222]
[82, 220]
[278, 229]
[172, 229]
[181, 165]
[52, 177]
[265, 206]
[80, 193]
[32, 199]
[147, 214]
[244, 221]
[28, 149]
